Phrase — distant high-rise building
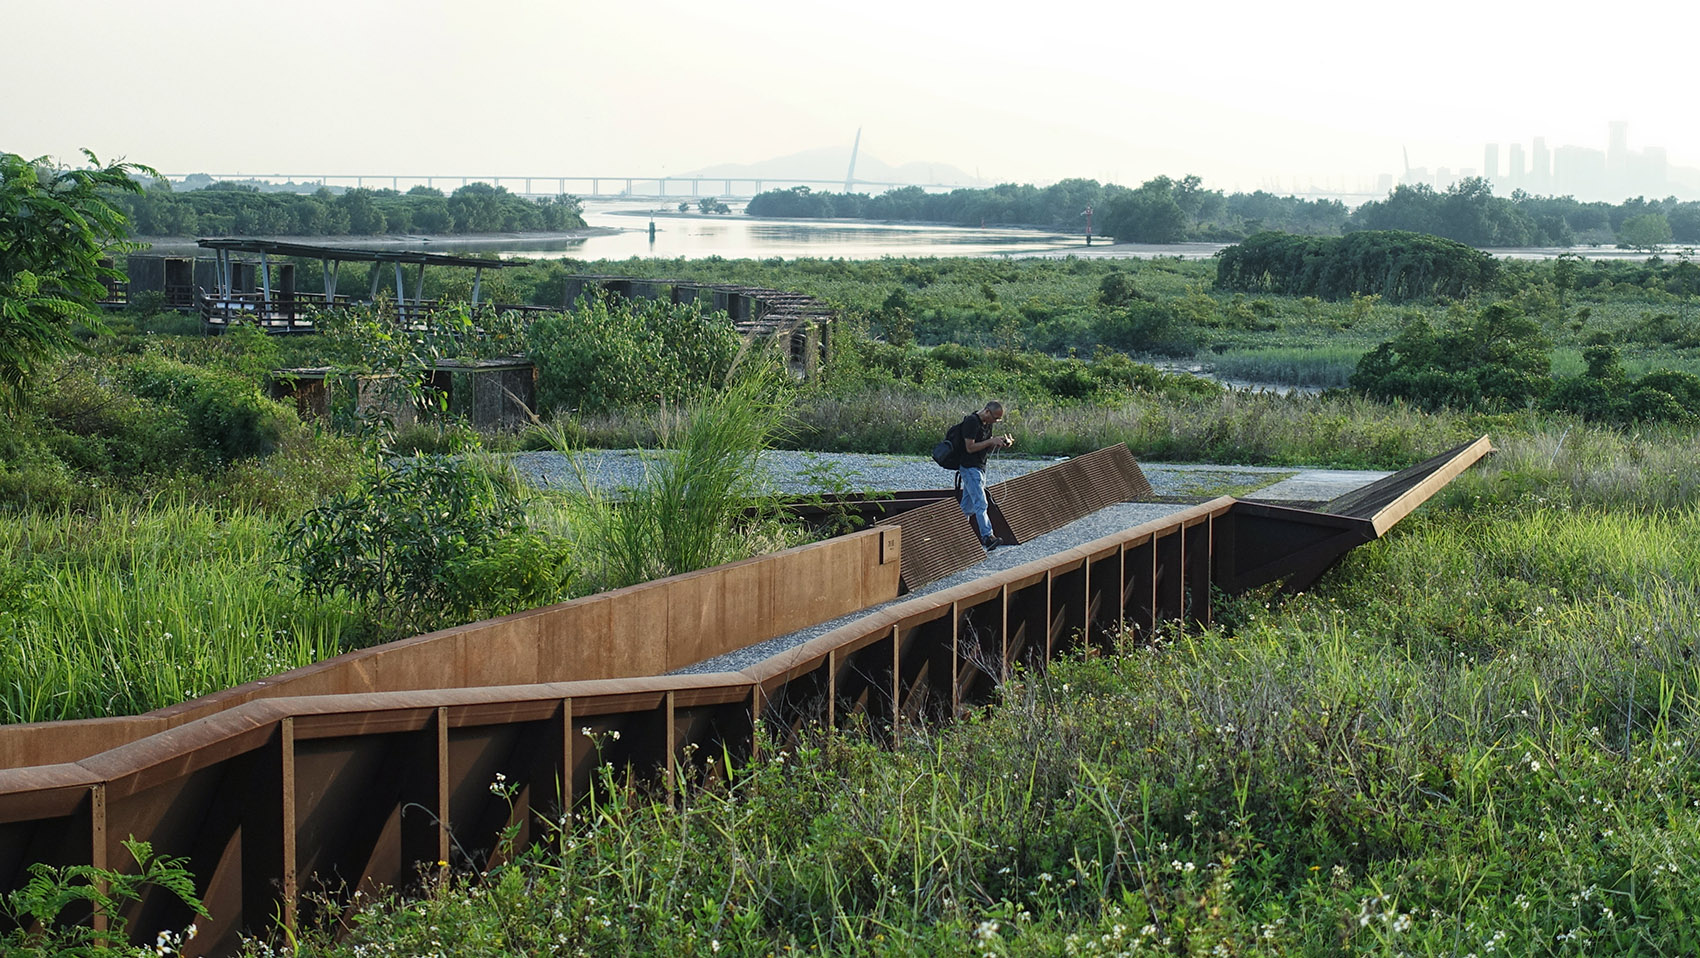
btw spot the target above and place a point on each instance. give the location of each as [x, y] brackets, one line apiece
[1617, 150]
[1540, 170]
[1443, 178]
[1384, 183]
[1518, 171]
[1490, 161]
[1580, 172]
[1649, 173]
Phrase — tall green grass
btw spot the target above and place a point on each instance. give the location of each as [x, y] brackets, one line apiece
[142, 604]
[1232, 427]
[689, 511]
[1324, 367]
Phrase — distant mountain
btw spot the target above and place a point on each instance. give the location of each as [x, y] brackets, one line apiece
[831, 163]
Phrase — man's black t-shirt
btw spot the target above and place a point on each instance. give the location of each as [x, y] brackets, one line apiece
[974, 429]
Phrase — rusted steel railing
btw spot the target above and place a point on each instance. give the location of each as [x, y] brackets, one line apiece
[360, 783]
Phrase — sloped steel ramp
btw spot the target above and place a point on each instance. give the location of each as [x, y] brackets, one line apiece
[1262, 543]
[939, 541]
[1388, 500]
[1046, 500]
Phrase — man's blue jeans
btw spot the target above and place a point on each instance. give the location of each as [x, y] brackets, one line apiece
[974, 498]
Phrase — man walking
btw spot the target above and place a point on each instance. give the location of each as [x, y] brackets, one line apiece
[977, 442]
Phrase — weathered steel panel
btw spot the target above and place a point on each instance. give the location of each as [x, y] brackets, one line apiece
[621, 633]
[1050, 498]
[938, 541]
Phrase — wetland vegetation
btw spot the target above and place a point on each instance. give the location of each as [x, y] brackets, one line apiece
[1474, 736]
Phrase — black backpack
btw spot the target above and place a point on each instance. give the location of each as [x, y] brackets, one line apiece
[949, 451]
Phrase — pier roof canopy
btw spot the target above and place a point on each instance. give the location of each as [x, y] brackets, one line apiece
[311, 251]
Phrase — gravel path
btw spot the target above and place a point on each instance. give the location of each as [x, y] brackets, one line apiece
[1096, 526]
[806, 472]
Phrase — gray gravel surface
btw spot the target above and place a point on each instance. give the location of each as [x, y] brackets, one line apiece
[806, 472]
[1096, 526]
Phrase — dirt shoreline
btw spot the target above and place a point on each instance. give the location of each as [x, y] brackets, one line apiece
[176, 245]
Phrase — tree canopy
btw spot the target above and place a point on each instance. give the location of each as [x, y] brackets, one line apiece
[224, 209]
[1495, 360]
[1394, 264]
[56, 225]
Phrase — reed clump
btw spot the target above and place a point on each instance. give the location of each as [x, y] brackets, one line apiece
[702, 500]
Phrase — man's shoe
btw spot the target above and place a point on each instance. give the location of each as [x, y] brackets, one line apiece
[991, 542]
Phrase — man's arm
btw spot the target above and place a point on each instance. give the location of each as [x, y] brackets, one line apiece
[996, 442]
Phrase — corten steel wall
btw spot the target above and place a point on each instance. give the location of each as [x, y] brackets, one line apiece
[640, 630]
[277, 797]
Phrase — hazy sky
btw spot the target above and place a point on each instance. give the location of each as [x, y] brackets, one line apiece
[1239, 92]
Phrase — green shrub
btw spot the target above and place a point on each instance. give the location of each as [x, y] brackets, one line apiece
[1118, 289]
[1497, 359]
[226, 416]
[1397, 265]
[96, 424]
[35, 908]
[167, 323]
[957, 356]
[427, 541]
[1148, 327]
[610, 352]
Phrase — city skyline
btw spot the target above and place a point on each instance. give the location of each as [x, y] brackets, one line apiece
[1612, 174]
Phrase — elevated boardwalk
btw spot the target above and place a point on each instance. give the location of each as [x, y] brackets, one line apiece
[376, 763]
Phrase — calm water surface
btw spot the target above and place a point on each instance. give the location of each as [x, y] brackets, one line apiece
[621, 231]
[736, 236]
[625, 226]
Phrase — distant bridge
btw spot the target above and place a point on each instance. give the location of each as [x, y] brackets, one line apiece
[588, 187]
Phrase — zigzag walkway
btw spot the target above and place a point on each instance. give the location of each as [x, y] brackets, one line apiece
[359, 772]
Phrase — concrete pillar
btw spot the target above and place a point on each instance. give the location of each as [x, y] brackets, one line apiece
[286, 291]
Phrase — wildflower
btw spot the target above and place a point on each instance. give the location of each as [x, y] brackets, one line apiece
[986, 930]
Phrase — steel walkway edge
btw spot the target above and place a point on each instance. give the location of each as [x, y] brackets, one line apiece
[274, 797]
